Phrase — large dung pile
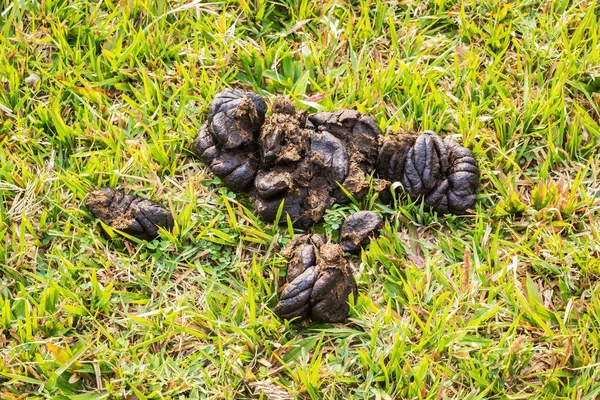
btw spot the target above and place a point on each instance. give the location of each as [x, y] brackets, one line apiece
[303, 161]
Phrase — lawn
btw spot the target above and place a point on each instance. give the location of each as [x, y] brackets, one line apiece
[503, 303]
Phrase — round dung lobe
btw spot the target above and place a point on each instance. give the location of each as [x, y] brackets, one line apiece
[227, 141]
[442, 173]
[320, 281]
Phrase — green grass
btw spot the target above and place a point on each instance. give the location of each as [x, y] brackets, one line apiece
[504, 303]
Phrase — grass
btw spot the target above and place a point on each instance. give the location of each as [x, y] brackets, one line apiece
[504, 303]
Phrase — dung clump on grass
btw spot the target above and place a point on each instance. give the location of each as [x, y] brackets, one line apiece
[286, 156]
[304, 162]
[440, 171]
[319, 281]
[308, 162]
[227, 141]
[132, 215]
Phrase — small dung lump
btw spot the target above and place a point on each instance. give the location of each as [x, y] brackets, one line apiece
[358, 230]
[130, 214]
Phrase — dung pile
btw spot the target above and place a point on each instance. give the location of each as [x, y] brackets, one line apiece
[301, 163]
[304, 161]
[308, 162]
[319, 279]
